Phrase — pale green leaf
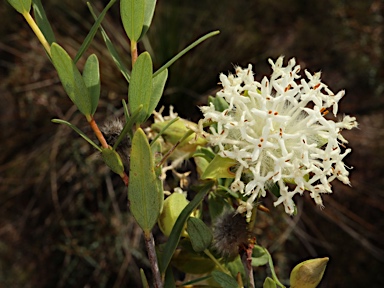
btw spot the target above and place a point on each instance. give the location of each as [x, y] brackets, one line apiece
[219, 168]
[143, 194]
[132, 16]
[157, 90]
[148, 15]
[91, 75]
[140, 86]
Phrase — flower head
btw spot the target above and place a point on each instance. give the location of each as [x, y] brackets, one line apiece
[277, 131]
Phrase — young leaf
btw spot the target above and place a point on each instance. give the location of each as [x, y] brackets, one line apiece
[92, 32]
[199, 234]
[132, 16]
[219, 168]
[21, 6]
[140, 87]
[71, 79]
[91, 75]
[174, 238]
[144, 201]
[259, 256]
[112, 160]
[42, 21]
[269, 283]
[157, 90]
[112, 50]
[148, 15]
[224, 280]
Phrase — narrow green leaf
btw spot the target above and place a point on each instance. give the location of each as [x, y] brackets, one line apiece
[224, 279]
[78, 131]
[199, 234]
[157, 90]
[132, 16]
[111, 48]
[219, 168]
[148, 15]
[128, 127]
[42, 21]
[140, 87]
[92, 32]
[91, 75]
[169, 281]
[180, 54]
[164, 128]
[126, 112]
[21, 6]
[71, 79]
[144, 280]
[144, 201]
[174, 238]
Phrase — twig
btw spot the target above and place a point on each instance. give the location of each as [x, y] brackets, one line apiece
[150, 245]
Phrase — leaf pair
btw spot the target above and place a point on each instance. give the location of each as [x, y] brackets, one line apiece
[144, 89]
[136, 16]
[83, 90]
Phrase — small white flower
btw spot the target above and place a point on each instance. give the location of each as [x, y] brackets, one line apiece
[277, 132]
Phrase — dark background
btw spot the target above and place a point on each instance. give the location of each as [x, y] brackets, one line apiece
[63, 215]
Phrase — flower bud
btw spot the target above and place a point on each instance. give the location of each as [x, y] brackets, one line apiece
[308, 274]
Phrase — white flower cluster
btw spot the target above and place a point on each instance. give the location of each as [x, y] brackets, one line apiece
[277, 132]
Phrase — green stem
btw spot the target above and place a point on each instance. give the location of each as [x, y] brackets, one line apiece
[221, 267]
[270, 263]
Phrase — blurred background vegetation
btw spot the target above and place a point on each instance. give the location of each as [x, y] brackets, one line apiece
[64, 220]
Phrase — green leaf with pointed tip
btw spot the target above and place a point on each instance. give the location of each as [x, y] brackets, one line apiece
[42, 21]
[143, 194]
[144, 280]
[112, 160]
[140, 87]
[71, 79]
[132, 15]
[219, 168]
[224, 279]
[269, 283]
[157, 90]
[78, 131]
[21, 6]
[199, 234]
[174, 237]
[91, 76]
[148, 15]
[92, 32]
[111, 48]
